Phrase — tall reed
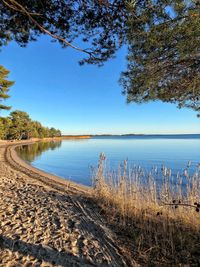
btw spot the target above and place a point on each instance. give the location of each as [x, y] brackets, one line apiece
[157, 210]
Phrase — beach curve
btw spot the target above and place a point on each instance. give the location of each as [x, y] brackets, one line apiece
[49, 221]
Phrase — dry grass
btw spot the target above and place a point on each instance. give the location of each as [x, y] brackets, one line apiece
[157, 212]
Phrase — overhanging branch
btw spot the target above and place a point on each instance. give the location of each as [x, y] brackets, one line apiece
[13, 4]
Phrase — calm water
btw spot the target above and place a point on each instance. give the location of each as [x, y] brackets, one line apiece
[73, 159]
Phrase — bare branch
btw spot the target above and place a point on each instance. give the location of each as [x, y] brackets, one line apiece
[16, 9]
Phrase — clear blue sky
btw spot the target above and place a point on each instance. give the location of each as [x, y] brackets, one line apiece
[55, 90]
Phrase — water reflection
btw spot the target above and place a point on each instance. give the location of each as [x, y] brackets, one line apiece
[73, 159]
[31, 152]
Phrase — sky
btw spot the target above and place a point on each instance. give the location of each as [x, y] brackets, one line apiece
[54, 89]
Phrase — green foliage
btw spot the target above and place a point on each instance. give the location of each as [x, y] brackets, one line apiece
[100, 23]
[163, 39]
[2, 130]
[53, 132]
[4, 86]
[5, 125]
[19, 126]
[164, 53]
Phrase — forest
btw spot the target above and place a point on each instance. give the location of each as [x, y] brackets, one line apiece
[19, 126]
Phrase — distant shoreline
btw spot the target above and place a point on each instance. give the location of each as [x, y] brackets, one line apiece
[104, 135]
[63, 137]
[2, 142]
[75, 136]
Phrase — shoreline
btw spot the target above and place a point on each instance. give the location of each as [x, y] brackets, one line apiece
[46, 139]
[48, 221]
[53, 180]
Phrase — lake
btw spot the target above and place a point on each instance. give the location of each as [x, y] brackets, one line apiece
[74, 159]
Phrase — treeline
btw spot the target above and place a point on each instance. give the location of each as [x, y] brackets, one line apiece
[19, 126]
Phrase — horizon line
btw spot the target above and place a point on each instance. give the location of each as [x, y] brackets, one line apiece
[108, 134]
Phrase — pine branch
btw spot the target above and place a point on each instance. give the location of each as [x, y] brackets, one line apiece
[19, 8]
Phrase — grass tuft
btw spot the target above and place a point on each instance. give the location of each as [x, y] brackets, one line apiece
[157, 212]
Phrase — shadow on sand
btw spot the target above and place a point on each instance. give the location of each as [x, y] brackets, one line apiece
[42, 252]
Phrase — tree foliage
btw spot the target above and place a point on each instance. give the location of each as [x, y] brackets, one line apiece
[164, 54]
[163, 39]
[4, 86]
[99, 23]
[19, 126]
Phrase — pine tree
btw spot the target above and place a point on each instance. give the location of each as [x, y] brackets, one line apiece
[163, 39]
[5, 126]
[21, 125]
[4, 86]
[98, 23]
[164, 53]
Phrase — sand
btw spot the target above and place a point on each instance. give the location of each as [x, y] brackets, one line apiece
[47, 221]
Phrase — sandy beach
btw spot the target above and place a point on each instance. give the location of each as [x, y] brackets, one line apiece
[47, 221]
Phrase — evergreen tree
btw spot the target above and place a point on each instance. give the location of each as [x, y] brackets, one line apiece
[163, 39]
[5, 125]
[4, 86]
[100, 23]
[21, 125]
[164, 53]
[54, 133]
[2, 130]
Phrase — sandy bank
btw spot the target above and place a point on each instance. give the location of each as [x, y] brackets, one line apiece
[47, 221]
[49, 179]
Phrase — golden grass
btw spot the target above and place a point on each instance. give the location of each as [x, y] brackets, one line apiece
[158, 212]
